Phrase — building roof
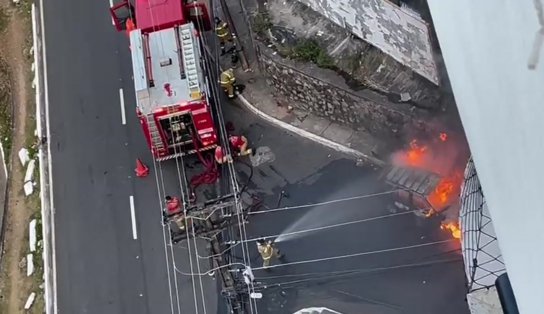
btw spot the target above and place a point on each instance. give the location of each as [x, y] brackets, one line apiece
[387, 27]
[166, 67]
[489, 49]
[152, 14]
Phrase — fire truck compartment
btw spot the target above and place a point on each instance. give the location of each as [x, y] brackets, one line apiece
[166, 67]
[178, 128]
[415, 185]
[159, 14]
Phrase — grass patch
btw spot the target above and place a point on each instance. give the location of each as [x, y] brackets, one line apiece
[4, 19]
[24, 7]
[6, 123]
[308, 50]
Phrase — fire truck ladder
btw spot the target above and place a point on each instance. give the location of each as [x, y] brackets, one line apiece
[190, 60]
[156, 140]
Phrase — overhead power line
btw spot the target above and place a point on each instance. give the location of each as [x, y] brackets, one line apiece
[358, 254]
[342, 273]
[323, 203]
[334, 225]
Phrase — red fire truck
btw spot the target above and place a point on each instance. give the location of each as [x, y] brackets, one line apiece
[169, 73]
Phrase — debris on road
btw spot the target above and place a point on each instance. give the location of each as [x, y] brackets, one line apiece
[24, 156]
[32, 235]
[29, 174]
[29, 264]
[30, 300]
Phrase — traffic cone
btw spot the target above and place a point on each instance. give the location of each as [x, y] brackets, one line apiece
[141, 169]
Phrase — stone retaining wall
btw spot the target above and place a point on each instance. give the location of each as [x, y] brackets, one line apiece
[327, 100]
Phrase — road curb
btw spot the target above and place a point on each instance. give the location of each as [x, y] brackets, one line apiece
[309, 135]
[44, 154]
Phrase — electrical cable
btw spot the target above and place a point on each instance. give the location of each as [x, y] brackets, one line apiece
[334, 274]
[164, 238]
[224, 136]
[209, 271]
[334, 225]
[185, 201]
[171, 245]
[324, 203]
[357, 254]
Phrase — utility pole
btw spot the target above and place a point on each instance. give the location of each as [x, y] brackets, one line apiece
[208, 220]
[232, 27]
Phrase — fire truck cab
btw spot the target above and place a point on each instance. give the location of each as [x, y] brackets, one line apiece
[169, 74]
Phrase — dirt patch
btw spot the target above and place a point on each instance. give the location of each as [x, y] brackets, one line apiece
[16, 38]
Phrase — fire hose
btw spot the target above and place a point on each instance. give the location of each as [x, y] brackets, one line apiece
[208, 176]
[211, 174]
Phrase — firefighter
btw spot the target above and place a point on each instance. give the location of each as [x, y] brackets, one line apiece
[239, 144]
[223, 33]
[228, 82]
[130, 26]
[220, 156]
[173, 207]
[268, 250]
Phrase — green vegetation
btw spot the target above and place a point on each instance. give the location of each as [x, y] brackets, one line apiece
[261, 24]
[4, 19]
[309, 50]
[5, 108]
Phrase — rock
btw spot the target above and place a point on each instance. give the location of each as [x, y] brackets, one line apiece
[24, 156]
[28, 188]
[30, 300]
[29, 265]
[32, 235]
[29, 174]
[404, 97]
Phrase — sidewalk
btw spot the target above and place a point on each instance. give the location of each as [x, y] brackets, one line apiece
[261, 99]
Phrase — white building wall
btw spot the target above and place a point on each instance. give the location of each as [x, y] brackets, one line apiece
[487, 46]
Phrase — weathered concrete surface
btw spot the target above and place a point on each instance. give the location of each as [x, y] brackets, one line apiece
[365, 65]
[314, 95]
[385, 26]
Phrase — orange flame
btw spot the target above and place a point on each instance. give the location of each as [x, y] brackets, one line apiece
[453, 228]
[446, 191]
[415, 155]
[443, 137]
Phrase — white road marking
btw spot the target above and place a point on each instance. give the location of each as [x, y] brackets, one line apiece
[122, 101]
[133, 218]
[111, 5]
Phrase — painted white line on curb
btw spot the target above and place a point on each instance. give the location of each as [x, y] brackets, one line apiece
[311, 136]
[122, 101]
[50, 271]
[133, 218]
[111, 5]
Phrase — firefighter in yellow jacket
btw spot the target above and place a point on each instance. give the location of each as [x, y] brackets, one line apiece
[227, 82]
[223, 33]
[268, 250]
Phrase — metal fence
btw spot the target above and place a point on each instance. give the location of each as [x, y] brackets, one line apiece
[481, 253]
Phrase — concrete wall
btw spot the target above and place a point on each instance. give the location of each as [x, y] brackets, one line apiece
[326, 99]
[402, 35]
[367, 65]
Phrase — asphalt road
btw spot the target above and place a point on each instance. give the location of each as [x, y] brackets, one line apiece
[100, 267]
[103, 269]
